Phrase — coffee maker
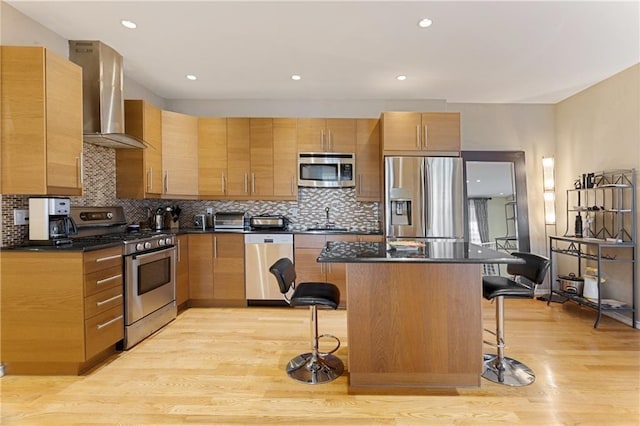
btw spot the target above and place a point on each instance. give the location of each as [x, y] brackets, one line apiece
[49, 221]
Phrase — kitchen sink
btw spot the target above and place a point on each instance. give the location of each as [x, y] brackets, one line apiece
[327, 229]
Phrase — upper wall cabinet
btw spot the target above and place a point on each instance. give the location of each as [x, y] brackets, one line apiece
[326, 135]
[368, 160]
[429, 132]
[238, 156]
[179, 155]
[212, 157]
[247, 158]
[41, 123]
[139, 171]
[285, 158]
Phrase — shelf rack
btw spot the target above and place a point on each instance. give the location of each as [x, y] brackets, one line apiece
[610, 209]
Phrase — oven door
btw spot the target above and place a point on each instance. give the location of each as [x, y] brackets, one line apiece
[149, 282]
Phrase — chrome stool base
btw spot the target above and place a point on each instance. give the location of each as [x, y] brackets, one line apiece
[509, 372]
[323, 370]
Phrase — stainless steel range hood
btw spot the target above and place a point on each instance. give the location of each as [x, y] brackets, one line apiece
[103, 100]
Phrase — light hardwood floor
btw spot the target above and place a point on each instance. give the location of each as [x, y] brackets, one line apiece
[225, 366]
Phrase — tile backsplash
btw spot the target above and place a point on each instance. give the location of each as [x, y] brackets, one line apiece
[100, 190]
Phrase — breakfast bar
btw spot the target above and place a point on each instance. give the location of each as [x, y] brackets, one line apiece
[414, 318]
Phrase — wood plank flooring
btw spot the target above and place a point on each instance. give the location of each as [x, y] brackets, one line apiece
[226, 366]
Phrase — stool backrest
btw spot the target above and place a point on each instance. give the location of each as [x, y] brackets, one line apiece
[285, 274]
[534, 269]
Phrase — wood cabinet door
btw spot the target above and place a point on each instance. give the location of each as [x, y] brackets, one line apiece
[182, 272]
[261, 158]
[64, 125]
[179, 154]
[139, 172]
[368, 167]
[441, 131]
[285, 158]
[311, 135]
[23, 121]
[401, 131]
[152, 135]
[200, 266]
[238, 156]
[307, 269]
[212, 156]
[228, 269]
[340, 135]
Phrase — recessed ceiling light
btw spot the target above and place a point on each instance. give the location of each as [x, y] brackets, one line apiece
[296, 77]
[401, 77]
[477, 180]
[129, 24]
[425, 23]
[191, 77]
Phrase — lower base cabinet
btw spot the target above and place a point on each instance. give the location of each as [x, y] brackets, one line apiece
[62, 312]
[216, 270]
[307, 248]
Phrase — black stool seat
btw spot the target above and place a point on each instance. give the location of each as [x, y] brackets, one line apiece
[494, 286]
[499, 368]
[316, 293]
[312, 367]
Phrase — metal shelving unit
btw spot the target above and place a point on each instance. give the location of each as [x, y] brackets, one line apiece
[610, 229]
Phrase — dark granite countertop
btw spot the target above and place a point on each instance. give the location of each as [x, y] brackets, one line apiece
[432, 252]
[76, 246]
[274, 231]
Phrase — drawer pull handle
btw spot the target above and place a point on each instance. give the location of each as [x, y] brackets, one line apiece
[104, 259]
[108, 323]
[104, 280]
[111, 299]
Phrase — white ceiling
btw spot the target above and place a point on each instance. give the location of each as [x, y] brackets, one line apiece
[506, 52]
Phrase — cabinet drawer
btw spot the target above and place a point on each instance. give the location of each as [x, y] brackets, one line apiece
[102, 259]
[98, 281]
[309, 241]
[103, 301]
[104, 330]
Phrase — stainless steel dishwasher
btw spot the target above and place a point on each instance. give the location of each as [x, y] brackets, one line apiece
[260, 252]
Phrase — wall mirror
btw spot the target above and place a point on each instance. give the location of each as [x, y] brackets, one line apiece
[496, 191]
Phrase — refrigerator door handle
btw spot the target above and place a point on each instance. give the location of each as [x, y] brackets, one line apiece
[424, 194]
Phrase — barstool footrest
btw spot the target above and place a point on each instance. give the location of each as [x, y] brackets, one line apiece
[506, 371]
[332, 350]
[324, 369]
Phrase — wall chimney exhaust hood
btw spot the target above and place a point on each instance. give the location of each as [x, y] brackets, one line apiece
[103, 100]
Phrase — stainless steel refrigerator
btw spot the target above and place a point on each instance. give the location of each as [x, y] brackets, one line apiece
[424, 197]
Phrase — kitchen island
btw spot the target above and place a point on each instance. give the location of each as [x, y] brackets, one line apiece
[414, 319]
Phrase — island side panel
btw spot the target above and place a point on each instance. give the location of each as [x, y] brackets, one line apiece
[414, 325]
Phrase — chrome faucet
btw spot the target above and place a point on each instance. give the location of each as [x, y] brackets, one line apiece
[326, 211]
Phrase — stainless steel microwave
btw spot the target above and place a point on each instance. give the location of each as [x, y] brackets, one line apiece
[326, 169]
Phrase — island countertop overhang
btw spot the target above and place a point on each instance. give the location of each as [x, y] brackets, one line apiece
[432, 252]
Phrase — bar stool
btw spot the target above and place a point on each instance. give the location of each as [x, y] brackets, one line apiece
[313, 367]
[499, 368]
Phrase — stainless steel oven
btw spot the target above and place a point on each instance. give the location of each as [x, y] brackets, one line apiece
[150, 289]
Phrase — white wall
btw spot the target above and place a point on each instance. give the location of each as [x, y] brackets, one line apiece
[599, 129]
[514, 127]
[298, 108]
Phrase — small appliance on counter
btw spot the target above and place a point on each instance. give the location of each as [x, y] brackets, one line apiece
[49, 221]
[274, 222]
[228, 220]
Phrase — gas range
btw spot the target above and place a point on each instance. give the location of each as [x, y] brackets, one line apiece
[133, 243]
[104, 225]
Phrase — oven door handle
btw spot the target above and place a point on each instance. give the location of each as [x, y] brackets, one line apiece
[161, 254]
